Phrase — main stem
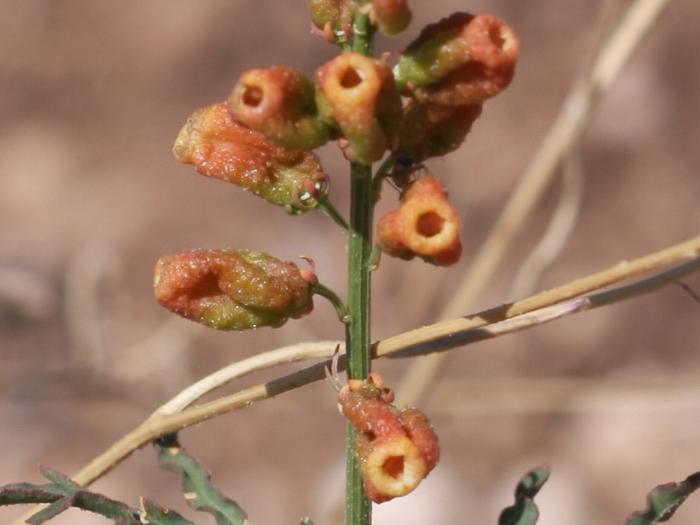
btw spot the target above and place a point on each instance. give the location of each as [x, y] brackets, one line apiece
[357, 506]
[358, 509]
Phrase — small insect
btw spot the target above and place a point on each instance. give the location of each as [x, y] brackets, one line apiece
[406, 170]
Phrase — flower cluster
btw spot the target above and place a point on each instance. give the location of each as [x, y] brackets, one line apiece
[396, 449]
[261, 138]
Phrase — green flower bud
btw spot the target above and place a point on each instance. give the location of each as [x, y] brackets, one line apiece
[357, 95]
[331, 16]
[279, 102]
[221, 148]
[232, 290]
[460, 60]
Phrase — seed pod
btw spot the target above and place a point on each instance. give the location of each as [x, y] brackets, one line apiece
[429, 130]
[221, 148]
[460, 60]
[395, 449]
[358, 96]
[231, 290]
[393, 16]
[425, 225]
[279, 102]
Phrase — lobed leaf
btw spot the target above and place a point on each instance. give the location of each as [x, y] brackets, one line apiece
[157, 515]
[663, 501]
[200, 493]
[524, 511]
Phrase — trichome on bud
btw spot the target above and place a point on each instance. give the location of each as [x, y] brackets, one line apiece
[232, 290]
[221, 148]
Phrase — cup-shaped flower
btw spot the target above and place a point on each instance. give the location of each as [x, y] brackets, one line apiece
[279, 102]
[425, 225]
[460, 60]
[396, 450]
[232, 290]
[358, 96]
[393, 16]
[430, 130]
[221, 148]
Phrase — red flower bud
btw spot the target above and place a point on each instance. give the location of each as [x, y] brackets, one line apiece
[460, 60]
[223, 149]
[279, 102]
[358, 95]
[232, 290]
[425, 224]
[429, 130]
[393, 16]
[395, 449]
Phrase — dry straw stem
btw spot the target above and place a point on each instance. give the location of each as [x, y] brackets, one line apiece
[562, 136]
[438, 337]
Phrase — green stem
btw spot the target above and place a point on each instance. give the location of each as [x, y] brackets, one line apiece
[326, 206]
[382, 172]
[337, 302]
[358, 508]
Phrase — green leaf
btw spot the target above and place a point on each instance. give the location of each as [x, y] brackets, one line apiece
[199, 492]
[663, 501]
[63, 493]
[306, 521]
[524, 511]
[52, 510]
[60, 480]
[157, 515]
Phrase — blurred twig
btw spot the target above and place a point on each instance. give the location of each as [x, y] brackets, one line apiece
[26, 294]
[528, 396]
[563, 134]
[441, 336]
[560, 228]
[86, 273]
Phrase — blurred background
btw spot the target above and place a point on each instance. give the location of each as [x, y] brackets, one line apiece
[92, 95]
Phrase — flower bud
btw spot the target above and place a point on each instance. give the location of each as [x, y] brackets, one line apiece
[425, 224]
[429, 130]
[393, 16]
[357, 95]
[223, 149]
[331, 16]
[395, 449]
[231, 290]
[460, 60]
[279, 102]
